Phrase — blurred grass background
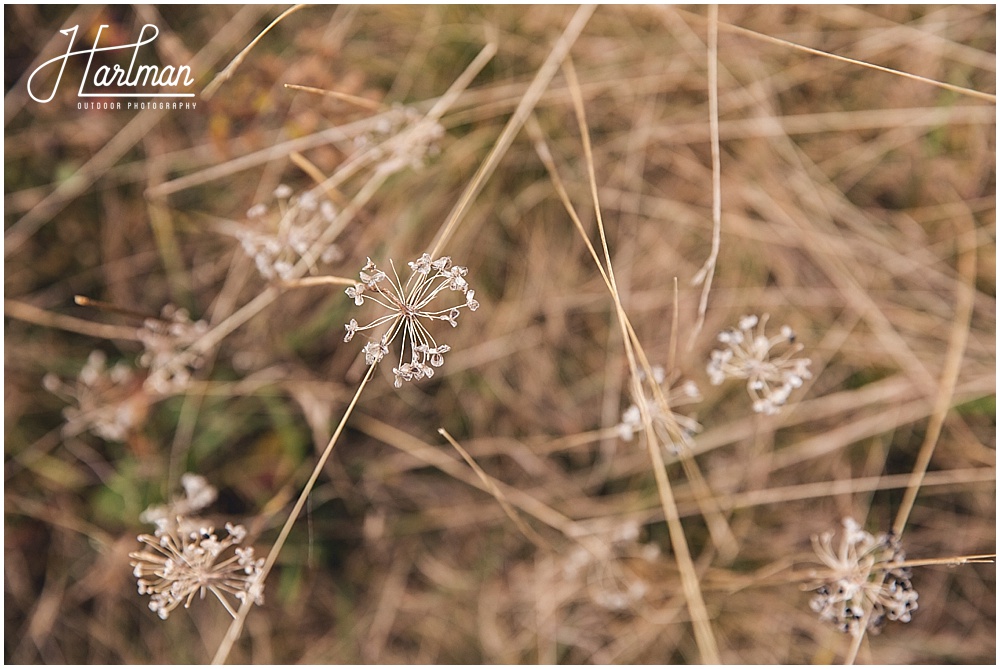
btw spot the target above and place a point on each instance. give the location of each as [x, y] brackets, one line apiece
[850, 198]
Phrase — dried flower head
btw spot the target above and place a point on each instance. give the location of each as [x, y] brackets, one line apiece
[864, 571]
[110, 402]
[184, 557]
[198, 494]
[747, 355]
[164, 339]
[175, 566]
[672, 429]
[276, 238]
[401, 138]
[606, 569]
[409, 305]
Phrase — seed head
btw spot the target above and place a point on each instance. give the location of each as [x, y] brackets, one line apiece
[175, 566]
[409, 307]
[184, 557]
[110, 401]
[864, 571]
[401, 138]
[276, 237]
[164, 339]
[606, 567]
[672, 429]
[747, 355]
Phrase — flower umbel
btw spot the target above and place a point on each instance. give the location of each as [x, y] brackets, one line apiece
[864, 570]
[401, 138]
[184, 557]
[409, 305]
[607, 569]
[110, 401]
[747, 355]
[164, 339]
[175, 566]
[198, 493]
[673, 430]
[277, 238]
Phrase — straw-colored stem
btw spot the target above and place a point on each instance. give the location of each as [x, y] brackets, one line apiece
[517, 119]
[233, 633]
[501, 499]
[707, 272]
[227, 72]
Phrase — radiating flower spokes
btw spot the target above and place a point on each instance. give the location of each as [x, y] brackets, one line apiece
[408, 305]
[277, 238]
[175, 566]
[864, 571]
[747, 355]
[185, 557]
[673, 430]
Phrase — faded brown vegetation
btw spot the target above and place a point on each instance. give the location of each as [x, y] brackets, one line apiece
[858, 206]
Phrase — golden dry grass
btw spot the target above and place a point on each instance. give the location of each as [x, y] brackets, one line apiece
[857, 205]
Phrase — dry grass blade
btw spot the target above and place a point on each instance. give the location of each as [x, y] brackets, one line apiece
[689, 576]
[501, 499]
[528, 101]
[32, 314]
[949, 377]
[989, 97]
[721, 533]
[227, 72]
[953, 359]
[371, 105]
[707, 272]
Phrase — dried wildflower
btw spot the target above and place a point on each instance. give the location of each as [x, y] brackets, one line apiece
[408, 305]
[864, 572]
[277, 238]
[110, 402]
[185, 557]
[401, 138]
[747, 355]
[672, 429]
[175, 566]
[164, 338]
[198, 493]
[605, 568]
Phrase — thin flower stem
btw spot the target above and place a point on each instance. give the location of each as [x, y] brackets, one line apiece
[319, 281]
[707, 272]
[989, 97]
[237, 625]
[29, 313]
[344, 97]
[949, 379]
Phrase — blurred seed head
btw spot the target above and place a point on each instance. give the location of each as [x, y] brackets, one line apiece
[185, 557]
[164, 339]
[673, 430]
[277, 236]
[110, 401]
[862, 572]
[749, 354]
